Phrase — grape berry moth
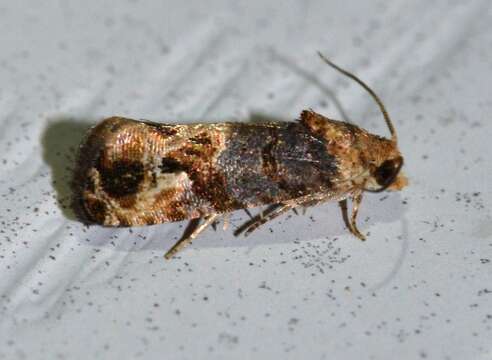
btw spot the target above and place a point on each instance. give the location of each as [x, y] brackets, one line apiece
[133, 173]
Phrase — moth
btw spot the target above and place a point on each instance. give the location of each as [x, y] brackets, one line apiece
[134, 173]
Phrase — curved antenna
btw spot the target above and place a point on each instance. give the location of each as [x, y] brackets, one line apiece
[369, 90]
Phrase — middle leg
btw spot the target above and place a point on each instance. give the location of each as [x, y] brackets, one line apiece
[283, 208]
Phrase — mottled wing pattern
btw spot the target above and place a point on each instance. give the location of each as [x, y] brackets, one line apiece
[272, 163]
[138, 173]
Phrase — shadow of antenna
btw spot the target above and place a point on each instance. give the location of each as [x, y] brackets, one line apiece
[312, 79]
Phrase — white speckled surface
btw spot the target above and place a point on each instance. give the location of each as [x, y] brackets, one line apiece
[303, 287]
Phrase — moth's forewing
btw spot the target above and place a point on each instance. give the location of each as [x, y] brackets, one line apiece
[134, 173]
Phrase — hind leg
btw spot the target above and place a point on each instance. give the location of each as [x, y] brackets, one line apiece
[187, 239]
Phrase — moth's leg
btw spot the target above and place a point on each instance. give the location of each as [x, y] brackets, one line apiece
[309, 203]
[225, 224]
[256, 218]
[276, 210]
[208, 220]
[356, 200]
[270, 216]
[352, 224]
[343, 207]
[248, 213]
[279, 210]
[226, 221]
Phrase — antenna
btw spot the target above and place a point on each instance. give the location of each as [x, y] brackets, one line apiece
[387, 118]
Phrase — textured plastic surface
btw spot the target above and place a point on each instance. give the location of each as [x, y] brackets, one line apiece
[301, 287]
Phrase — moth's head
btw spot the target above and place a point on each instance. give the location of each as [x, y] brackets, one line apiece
[380, 156]
[385, 163]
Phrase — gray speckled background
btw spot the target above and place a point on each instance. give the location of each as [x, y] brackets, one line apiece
[302, 287]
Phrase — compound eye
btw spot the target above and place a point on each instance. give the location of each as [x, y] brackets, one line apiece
[387, 172]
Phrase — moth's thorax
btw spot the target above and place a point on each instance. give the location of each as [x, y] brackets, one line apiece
[359, 153]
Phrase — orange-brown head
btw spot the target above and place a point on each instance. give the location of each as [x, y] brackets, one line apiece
[365, 161]
[383, 162]
[381, 159]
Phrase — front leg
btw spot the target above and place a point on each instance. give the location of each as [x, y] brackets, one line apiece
[352, 224]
